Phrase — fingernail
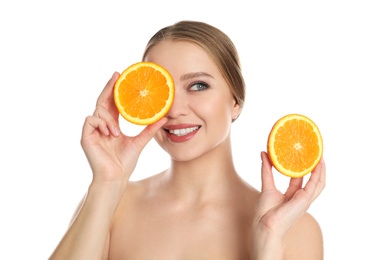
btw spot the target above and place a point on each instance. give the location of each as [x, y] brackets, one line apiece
[116, 131]
[262, 155]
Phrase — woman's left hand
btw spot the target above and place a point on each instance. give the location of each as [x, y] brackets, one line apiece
[276, 213]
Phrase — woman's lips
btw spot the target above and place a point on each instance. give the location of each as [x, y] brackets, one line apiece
[182, 132]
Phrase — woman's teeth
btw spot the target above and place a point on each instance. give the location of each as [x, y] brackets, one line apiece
[183, 131]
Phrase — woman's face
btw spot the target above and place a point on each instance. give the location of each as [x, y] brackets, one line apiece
[203, 108]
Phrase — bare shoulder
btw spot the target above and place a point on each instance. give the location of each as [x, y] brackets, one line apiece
[136, 191]
[144, 185]
[304, 240]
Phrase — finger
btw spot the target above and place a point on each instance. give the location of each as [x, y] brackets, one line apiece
[106, 98]
[92, 123]
[148, 133]
[294, 186]
[321, 169]
[312, 183]
[111, 123]
[303, 198]
[266, 173]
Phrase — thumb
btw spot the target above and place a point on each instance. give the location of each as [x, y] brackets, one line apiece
[148, 133]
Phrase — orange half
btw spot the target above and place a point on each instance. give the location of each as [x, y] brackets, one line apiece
[295, 145]
[144, 93]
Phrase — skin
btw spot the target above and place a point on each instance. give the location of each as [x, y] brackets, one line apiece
[199, 208]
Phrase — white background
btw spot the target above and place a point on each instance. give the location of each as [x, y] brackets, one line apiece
[323, 59]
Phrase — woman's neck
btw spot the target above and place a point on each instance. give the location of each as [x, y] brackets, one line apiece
[203, 178]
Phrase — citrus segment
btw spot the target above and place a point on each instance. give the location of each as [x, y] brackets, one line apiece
[144, 93]
[295, 145]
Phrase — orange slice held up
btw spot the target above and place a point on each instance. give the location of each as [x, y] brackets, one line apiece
[295, 145]
[144, 93]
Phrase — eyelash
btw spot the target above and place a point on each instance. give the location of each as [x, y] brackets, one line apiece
[203, 84]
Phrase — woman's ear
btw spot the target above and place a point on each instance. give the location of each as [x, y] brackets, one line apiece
[236, 111]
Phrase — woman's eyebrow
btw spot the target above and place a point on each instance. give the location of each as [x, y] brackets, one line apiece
[195, 75]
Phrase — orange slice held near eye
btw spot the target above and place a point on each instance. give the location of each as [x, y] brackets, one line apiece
[144, 93]
[295, 145]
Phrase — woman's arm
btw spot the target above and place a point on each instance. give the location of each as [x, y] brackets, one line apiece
[112, 157]
[89, 231]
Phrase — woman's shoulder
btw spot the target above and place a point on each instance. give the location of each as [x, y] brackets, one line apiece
[304, 240]
[143, 188]
[136, 195]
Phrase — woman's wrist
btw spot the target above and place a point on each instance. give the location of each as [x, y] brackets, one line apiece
[110, 181]
[106, 194]
[267, 245]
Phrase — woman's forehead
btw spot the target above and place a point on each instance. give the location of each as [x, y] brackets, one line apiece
[182, 56]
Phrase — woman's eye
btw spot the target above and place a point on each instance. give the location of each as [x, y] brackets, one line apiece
[199, 86]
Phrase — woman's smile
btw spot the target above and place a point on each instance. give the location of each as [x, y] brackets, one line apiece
[181, 132]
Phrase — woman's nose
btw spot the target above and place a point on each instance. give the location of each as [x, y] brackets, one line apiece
[179, 106]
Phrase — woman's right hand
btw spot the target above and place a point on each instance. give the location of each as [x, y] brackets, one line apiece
[111, 154]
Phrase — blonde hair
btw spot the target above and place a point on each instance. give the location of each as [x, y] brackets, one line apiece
[216, 43]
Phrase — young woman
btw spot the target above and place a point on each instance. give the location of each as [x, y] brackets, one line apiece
[199, 208]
